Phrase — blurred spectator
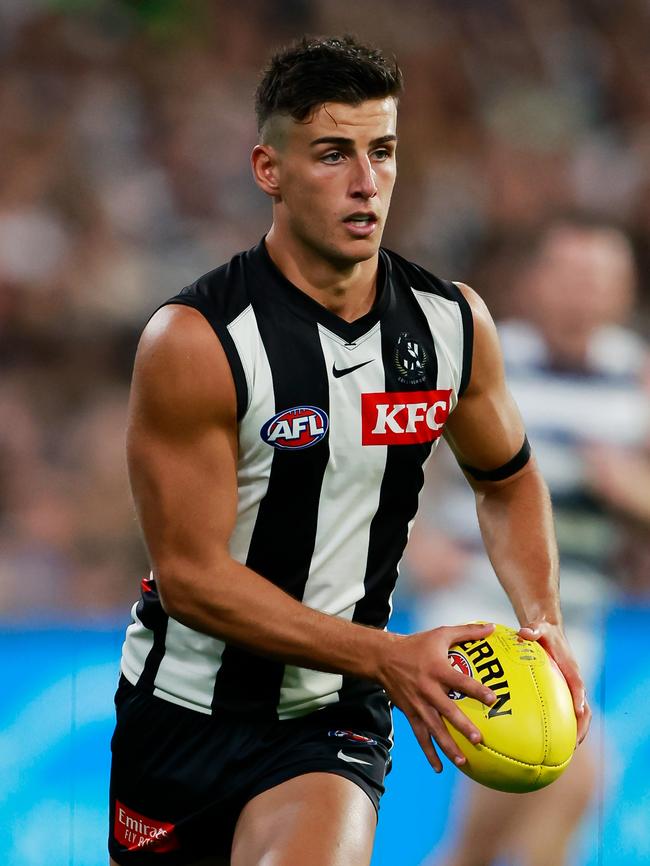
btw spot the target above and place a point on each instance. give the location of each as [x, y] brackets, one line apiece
[578, 375]
[121, 179]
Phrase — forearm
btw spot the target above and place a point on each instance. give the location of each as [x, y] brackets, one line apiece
[517, 528]
[235, 604]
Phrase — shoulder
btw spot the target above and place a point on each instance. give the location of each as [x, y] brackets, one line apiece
[477, 305]
[191, 331]
[181, 369]
[487, 364]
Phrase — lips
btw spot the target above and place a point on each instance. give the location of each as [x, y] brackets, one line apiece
[362, 223]
[361, 216]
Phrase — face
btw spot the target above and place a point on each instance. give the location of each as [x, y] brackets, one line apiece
[332, 179]
[584, 279]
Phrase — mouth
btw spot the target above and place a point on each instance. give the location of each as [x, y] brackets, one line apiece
[362, 223]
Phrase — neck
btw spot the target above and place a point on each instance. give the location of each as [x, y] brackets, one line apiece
[347, 289]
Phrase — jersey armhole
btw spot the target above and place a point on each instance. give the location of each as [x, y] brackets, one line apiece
[228, 344]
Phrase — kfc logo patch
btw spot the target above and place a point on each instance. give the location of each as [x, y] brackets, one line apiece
[133, 831]
[404, 417]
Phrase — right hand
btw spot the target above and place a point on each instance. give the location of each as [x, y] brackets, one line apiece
[417, 676]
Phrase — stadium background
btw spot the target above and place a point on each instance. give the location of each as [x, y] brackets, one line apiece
[124, 135]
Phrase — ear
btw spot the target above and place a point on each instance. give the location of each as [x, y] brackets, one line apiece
[264, 162]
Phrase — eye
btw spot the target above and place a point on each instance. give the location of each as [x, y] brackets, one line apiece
[382, 154]
[332, 157]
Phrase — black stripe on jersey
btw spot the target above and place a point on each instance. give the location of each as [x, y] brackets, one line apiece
[284, 536]
[152, 616]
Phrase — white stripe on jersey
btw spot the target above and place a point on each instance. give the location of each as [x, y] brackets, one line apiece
[193, 659]
[135, 649]
[255, 456]
[446, 324]
[338, 567]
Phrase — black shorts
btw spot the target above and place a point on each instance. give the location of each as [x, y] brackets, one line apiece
[180, 778]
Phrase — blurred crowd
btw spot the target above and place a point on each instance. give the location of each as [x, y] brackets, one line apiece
[125, 129]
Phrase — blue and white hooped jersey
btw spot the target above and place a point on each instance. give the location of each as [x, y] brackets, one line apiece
[566, 412]
[336, 421]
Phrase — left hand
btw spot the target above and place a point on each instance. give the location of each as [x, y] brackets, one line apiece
[552, 638]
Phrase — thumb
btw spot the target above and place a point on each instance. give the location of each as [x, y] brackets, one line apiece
[530, 632]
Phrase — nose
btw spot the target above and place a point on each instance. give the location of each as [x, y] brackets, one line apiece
[364, 183]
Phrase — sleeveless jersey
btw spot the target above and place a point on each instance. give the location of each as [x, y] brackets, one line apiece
[336, 421]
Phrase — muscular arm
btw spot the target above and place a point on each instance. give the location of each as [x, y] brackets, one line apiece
[182, 456]
[514, 513]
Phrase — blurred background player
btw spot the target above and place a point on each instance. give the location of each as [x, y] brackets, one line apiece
[578, 374]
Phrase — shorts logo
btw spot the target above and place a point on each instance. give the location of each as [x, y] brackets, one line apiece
[297, 428]
[459, 663]
[353, 738]
[133, 831]
[410, 359]
[403, 417]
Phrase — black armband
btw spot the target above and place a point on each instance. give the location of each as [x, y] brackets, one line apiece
[510, 468]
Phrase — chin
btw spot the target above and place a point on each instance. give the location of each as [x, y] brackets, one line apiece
[359, 250]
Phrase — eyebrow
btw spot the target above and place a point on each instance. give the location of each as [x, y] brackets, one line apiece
[346, 142]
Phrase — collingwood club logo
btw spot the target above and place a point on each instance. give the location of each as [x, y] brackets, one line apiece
[410, 359]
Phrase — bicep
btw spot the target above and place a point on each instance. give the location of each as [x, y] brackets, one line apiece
[181, 443]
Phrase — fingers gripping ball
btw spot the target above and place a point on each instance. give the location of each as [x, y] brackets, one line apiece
[529, 734]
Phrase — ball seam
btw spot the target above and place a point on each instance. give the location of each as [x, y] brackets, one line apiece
[544, 712]
[517, 761]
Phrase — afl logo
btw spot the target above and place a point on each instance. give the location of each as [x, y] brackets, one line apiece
[410, 359]
[460, 663]
[297, 428]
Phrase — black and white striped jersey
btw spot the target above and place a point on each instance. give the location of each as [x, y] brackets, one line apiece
[336, 421]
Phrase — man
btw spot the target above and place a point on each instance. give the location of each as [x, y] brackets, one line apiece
[282, 410]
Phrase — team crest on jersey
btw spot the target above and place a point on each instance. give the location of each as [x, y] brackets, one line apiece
[296, 428]
[353, 738]
[410, 360]
[460, 663]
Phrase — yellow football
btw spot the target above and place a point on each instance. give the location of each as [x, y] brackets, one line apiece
[529, 734]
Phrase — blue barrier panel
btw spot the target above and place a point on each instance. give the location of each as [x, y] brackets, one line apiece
[55, 723]
[56, 719]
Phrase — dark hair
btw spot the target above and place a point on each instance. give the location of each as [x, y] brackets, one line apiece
[313, 71]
